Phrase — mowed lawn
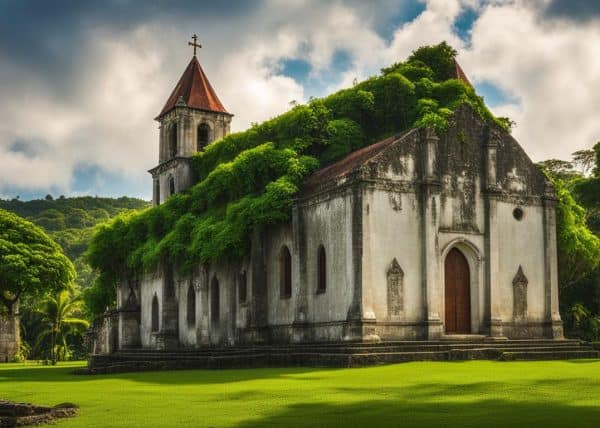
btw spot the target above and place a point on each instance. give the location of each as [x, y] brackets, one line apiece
[475, 393]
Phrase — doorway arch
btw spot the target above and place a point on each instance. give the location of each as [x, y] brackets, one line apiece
[457, 293]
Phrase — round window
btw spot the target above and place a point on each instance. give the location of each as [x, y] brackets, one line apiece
[518, 213]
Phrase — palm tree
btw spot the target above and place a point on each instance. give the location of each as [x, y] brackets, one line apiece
[60, 315]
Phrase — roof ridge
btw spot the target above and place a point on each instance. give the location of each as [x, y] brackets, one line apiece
[352, 161]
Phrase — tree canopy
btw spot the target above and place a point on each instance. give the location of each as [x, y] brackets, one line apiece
[30, 262]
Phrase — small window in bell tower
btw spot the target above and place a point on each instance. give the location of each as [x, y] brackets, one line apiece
[156, 192]
[203, 136]
[171, 185]
[173, 141]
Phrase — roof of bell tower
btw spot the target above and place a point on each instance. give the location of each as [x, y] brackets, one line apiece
[195, 90]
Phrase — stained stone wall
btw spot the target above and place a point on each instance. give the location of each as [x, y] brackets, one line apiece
[386, 222]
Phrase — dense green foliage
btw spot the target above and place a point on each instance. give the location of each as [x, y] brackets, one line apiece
[424, 394]
[70, 222]
[31, 264]
[579, 247]
[247, 181]
[578, 234]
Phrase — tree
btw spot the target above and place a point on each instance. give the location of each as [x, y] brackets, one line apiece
[559, 169]
[440, 58]
[578, 247]
[30, 262]
[585, 159]
[59, 313]
[596, 170]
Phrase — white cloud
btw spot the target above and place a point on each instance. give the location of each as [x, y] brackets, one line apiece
[552, 68]
[121, 80]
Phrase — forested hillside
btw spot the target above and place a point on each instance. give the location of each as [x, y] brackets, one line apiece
[71, 221]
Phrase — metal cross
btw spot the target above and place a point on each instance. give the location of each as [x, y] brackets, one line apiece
[195, 43]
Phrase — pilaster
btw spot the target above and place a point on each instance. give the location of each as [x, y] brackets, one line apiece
[203, 322]
[430, 251]
[491, 315]
[551, 310]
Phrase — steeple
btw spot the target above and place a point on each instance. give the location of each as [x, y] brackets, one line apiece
[192, 118]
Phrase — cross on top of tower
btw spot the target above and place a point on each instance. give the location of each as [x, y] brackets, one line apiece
[195, 43]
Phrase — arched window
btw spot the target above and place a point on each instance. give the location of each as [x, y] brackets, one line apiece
[203, 136]
[154, 314]
[214, 301]
[171, 185]
[191, 306]
[173, 140]
[285, 271]
[242, 287]
[169, 281]
[156, 192]
[321, 270]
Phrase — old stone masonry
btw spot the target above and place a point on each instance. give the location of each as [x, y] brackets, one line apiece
[420, 236]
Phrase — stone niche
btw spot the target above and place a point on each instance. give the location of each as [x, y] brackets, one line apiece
[520, 282]
[395, 290]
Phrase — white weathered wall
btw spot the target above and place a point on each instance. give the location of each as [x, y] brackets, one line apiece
[150, 284]
[391, 229]
[329, 223]
[522, 244]
[223, 331]
[281, 310]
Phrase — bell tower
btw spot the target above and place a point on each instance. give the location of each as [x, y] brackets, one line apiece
[192, 118]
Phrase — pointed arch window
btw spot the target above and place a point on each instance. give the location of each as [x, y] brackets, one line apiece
[171, 185]
[172, 140]
[154, 316]
[191, 306]
[204, 136]
[169, 279]
[285, 272]
[321, 270]
[243, 287]
[214, 301]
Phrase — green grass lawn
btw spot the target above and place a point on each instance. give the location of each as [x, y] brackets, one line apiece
[475, 393]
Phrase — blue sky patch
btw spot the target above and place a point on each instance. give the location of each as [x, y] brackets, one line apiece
[464, 23]
[394, 19]
[494, 95]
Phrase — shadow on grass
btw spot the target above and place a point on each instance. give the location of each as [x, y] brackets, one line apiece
[396, 413]
[479, 404]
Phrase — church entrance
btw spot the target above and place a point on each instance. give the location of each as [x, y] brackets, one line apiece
[458, 293]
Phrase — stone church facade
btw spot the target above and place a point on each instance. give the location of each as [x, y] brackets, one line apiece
[420, 236]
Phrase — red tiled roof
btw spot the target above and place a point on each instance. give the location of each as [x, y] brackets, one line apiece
[349, 164]
[460, 74]
[196, 91]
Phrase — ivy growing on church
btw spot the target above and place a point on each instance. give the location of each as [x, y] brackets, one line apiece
[247, 181]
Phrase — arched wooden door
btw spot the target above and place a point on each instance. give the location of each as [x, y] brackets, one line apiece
[457, 293]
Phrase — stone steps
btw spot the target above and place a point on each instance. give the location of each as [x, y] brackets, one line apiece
[550, 355]
[421, 347]
[339, 354]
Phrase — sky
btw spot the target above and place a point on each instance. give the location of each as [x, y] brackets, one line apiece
[80, 82]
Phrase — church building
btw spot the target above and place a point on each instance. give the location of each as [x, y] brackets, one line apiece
[420, 236]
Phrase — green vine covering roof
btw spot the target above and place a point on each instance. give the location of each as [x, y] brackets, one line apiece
[247, 181]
